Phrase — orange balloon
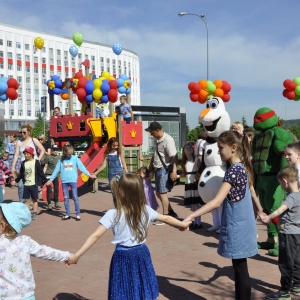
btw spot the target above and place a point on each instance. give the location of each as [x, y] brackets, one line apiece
[218, 83]
[219, 93]
[203, 83]
[203, 94]
[65, 96]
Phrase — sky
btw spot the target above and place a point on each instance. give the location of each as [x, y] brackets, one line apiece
[253, 45]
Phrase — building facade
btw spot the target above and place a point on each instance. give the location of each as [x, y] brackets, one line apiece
[31, 67]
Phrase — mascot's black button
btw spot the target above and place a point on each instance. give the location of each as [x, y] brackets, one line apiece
[208, 173]
[209, 151]
[202, 184]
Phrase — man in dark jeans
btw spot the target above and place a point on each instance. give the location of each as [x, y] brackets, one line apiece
[164, 156]
[50, 163]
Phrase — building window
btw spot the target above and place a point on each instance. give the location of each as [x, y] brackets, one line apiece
[36, 91]
[27, 58]
[11, 112]
[10, 67]
[1, 53]
[20, 112]
[9, 54]
[18, 45]
[9, 43]
[114, 61]
[19, 79]
[107, 60]
[35, 59]
[1, 42]
[58, 52]
[43, 60]
[93, 58]
[44, 71]
[28, 113]
[19, 68]
[59, 62]
[50, 50]
[73, 64]
[29, 102]
[18, 56]
[36, 81]
[79, 55]
[66, 62]
[44, 81]
[27, 79]
[66, 54]
[28, 69]
[28, 91]
[36, 70]
[26, 46]
[44, 50]
[51, 61]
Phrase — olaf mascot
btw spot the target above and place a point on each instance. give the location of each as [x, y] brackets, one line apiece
[215, 120]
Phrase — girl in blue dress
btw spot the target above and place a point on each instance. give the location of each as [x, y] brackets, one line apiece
[114, 159]
[131, 274]
[238, 227]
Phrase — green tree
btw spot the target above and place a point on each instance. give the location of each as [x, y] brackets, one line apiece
[187, 129]
[193, 134]
[244, 122]
[40, 126]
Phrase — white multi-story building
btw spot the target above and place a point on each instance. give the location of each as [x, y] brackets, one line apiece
[20, 59]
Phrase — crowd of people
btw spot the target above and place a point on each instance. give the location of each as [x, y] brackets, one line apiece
[32, 162]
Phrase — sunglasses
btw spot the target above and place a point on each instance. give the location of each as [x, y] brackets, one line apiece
[23, 132]
[40, 139]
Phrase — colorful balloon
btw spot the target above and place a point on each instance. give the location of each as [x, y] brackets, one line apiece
[39, 42]
[77, 38]
[117, 48]
[73, 51]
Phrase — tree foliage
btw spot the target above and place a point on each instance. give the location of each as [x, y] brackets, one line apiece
[39, 128]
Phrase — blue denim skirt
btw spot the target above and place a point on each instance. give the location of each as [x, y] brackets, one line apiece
[131, 274]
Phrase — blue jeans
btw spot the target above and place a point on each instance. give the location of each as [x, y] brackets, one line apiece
[73, 186]
[21, 190]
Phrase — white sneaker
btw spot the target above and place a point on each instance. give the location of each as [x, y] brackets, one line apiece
[214, 228]
[158, 223]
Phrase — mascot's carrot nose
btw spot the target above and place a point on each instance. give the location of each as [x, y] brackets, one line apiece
[204, 112]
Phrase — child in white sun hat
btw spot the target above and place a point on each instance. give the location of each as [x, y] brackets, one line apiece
[16, 278]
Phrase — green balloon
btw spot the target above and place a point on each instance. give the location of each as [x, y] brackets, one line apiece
[210, 86]
[297, 90]
[297, 80]
[77, 38]
[297, 98]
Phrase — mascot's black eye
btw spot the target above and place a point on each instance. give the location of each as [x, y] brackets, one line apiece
[207, 105]
[214, 103]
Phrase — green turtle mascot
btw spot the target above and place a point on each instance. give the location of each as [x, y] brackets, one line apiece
[268, 156]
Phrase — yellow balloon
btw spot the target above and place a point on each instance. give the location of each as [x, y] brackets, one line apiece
[97, 83]
[105, 74]
[39, 42]
[97, 94]
[84, 177]
[97, 101]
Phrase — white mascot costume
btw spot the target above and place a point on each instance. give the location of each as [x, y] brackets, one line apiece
[215, 120]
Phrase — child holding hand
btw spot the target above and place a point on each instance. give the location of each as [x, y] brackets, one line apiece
[17, 278]
[131, 275]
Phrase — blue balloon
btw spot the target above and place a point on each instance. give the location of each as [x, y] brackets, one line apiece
[58, 83]
[56, 91]
[3, 87]
[4, 79]
[3, 97]
[117, 48]
[48, 81]
[124, 76]
[73, 51]
[89, 87]
[89, 98]
[122, 89]
[55, 77]
[104, 99]
[120, 82]
[105, 88]
[128, 91]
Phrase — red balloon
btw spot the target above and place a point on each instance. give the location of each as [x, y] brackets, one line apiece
[194, 97]
[82, 82]
[81, 93]
[113, 84]
[112, 95]
[284, 92]
[12, 83]
[194, 87]
[226, 87]
[78, 75]
[226, 97]
[289, 85]
[11, 93]
[291, 95]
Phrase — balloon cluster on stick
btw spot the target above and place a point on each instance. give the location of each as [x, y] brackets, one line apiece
[292, 89]
[124, 84]
[54, 85]
[202, 90]
[39, 43]
[8, 89]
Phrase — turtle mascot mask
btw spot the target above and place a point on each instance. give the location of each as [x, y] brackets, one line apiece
[265, 118]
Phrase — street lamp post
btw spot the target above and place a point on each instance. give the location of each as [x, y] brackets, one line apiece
[203, 18]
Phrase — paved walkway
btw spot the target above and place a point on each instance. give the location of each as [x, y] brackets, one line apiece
[186, 263]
